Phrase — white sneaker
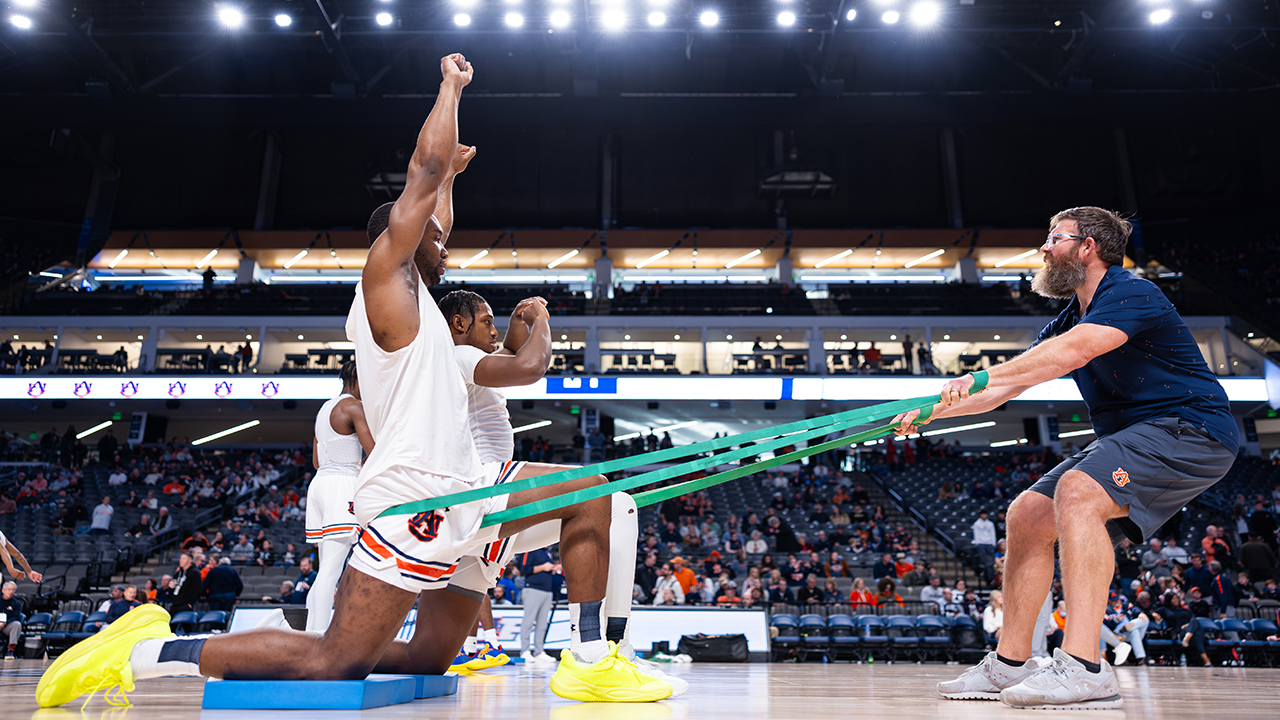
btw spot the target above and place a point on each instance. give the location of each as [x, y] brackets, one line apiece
[273, 619]
[1066, 685]
[1122, 652]
[526, 656]
[678, 685]
[985, 680]
[545, 661]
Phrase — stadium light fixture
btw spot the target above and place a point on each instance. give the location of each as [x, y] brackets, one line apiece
[283, 20]
[100, 426]
[786, 18]
[230, 16]
[925, 13]
[560, 18]
[26, 3]
[471, 260]
[851, 15]
[22, 22]
[116, 261]
[960, 428]
[833, 258]
[1076, 433]
[384, 19]
[1016, 258]
[1161, 16]
[1007, 443]
[655, 258]
[229, 431]
[657, 19]
[614, 19]
[742, 259]
[531, 426]
[205, 260]
[890, 17]
[462, 19]
[293, 260]
[562, 259]
[513, 20]
[709, 18]
[922, 258]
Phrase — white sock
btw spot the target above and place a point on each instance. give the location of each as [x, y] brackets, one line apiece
[586, 639]
[624, 535]
[491, 636]
[181, 657]
[469, 645]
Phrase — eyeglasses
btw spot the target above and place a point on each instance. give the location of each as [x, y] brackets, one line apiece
[1055, 238]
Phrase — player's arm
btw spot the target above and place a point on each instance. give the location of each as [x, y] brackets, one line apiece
[349, 418]
[315, 453]
[22, 560]
[529, 364]
[8, 563]
[390, 283]
[517, 329]
[444, 201]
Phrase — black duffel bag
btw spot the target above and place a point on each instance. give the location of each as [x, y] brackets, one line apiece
[714, 648]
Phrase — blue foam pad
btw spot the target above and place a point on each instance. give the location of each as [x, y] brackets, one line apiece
[429, 686]
[372, 692]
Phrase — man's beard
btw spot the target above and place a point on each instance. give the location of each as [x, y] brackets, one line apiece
[1059, 278]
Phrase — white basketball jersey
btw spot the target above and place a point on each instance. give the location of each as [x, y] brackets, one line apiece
[336, 452]
[490, 421]
[414, 399]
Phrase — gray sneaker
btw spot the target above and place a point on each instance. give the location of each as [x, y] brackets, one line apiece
[1065, 684]
[985, 680]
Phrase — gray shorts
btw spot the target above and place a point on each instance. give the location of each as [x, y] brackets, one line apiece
[1155, 467]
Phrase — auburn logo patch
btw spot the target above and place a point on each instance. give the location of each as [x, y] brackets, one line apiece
[1120, 477]
[426, 525]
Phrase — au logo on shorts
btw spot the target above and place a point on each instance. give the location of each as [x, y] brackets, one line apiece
[1120, 477]
[426, 525]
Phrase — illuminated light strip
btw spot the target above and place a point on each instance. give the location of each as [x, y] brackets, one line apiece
[743, 259]
[655, 258]
[922, 258]
[187, 277]
[477, 279]
[871, 278]
[834, 258]
[694, 278]
[119, 257]
[49, 274]
[563, 258]
[1007, 443]
[314, 278]
[1016, 258]
[960, 428]
[296, 258]
[531, 426]
[1001, 278]
[94, 429]
[212, 254]
[224, 433]
[1075, 433]
[655, 431]
[468, 262]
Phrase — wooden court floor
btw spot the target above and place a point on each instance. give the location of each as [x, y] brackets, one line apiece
[764, 691]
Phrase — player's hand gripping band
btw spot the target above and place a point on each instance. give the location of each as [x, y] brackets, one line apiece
[749, 444]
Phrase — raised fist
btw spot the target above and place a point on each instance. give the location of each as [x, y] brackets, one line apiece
[456, 67]
[462, 156]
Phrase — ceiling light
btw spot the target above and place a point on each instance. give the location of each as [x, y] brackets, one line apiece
[1161, 16]
[890, 17]
[99, 337]
[946, 337]
[728, 337]
[102, 425]
[230, 17]
[655, 258]
[564, 337]
[1016, 258]
[296, 258]
[118, 258]
[283, 20]
[844, 337]
[786, 19]
[893, 337]
[614, 19]
[1007, 443]
[224, 433]
[462, 19]
[466, 263]
[960, 428]
[248, 337]
[531, 426]
[743, 259]
[1075, 433]
[199, 337]
[560, 18]
[26, 3]
[205, 260]
[384, 19]
[299, 337]
[21, 22]
[995, 337]
[140, 337]
[925, 13]
[567, 256]
[657, 19]
[922, 258]
[834, 258]
[626, 337]
[777, 337]
[709, 18]
[513, 20]
[677, 337]
[851, 15]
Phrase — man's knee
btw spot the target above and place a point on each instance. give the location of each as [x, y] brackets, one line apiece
[1080, 497]
[331, 662]
[1030, 517]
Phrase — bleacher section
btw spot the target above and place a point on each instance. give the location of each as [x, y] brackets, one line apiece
[939, 299]
[706, 299]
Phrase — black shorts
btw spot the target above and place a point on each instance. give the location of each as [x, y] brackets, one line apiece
[1155, 467]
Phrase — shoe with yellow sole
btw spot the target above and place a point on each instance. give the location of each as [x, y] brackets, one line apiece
[613, 679]
[102, 661]
[487, 656]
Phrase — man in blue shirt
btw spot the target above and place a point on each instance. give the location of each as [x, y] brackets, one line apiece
[539, 587]
[1164, 434]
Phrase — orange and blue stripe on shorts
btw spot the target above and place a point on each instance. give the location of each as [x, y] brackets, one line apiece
[376, 546]
[330, 531]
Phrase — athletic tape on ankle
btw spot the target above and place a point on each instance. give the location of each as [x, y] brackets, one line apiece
[764, 439]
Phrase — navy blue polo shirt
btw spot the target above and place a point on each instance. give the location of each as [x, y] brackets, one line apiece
[1159, 372]
[537, 580]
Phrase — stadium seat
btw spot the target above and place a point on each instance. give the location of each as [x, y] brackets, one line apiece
[788, 637]
[184, 623]
[214, 621]
[873, 633]
[813, 635]
[93, 622]
[935, 637]
[59, 637]
[966, 637]
[845, 642]
[904, 643]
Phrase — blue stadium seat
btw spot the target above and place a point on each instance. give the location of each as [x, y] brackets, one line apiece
[59, 637]
[214, 621]
[872, 632]
[904, 643]
[788, 637]
[845, 642]
[184, 623]
[935, 636]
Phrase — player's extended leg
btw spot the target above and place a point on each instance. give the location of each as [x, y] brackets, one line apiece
[1088, 559]
[332, 555]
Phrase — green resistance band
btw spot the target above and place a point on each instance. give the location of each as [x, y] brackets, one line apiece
[826, 423]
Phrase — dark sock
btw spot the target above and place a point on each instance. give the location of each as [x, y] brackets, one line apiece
[1092, 667]
[616, 629]
[589, 628]
[182, 650]
[1007, 661]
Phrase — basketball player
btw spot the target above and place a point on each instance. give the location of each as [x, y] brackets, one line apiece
[486, 368]
[416, 407]
[342, 440]
[1165, 434]
[8, 552]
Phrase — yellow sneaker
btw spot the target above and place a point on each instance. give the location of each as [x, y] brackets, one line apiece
[613, 679]
[487, 656]
[102, 661]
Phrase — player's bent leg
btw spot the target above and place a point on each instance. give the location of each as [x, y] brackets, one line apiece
[445, 618]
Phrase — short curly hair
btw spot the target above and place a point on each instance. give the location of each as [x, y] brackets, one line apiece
[379, 221]
[1108, 229]
[461, 302]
